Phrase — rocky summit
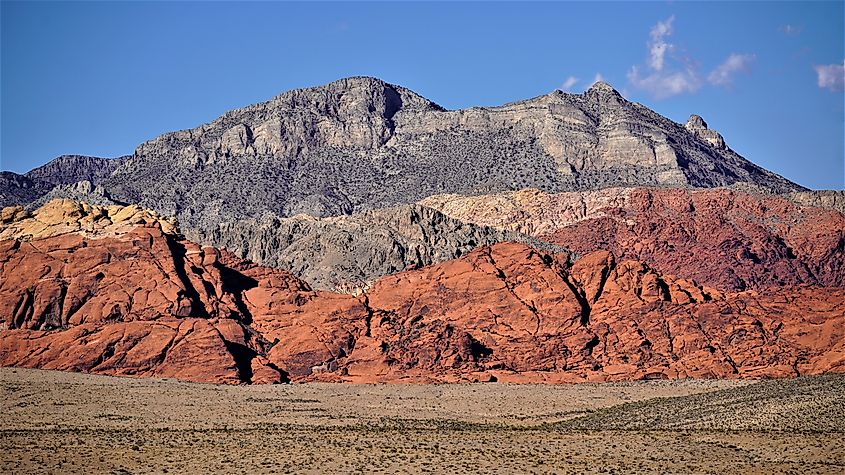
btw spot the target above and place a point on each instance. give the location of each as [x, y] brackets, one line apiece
[359, 232]
[361, 143]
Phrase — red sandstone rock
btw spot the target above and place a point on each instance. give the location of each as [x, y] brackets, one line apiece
[722, 238]
[519, 315]
[146, 303]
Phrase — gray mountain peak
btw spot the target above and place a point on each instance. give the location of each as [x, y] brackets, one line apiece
[361, 143]
[601, 87]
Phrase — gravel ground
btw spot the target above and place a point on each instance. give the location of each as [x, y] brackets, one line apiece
[73, 423]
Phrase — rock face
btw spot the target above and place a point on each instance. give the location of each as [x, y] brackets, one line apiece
[830, 199]
[727, 239]
[519, 315]
[85, 290]
[698, 127]
[348, 253]
[529, 211]
[80, 293]
[69, 169]
[360, 143]
[17, 189]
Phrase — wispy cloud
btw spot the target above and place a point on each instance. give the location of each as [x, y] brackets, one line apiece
[658, 46]
[598, 78]
[791, 30]
[568, 83]
[831, 76]
[724, 73]
[665, 84]
[658, 79]
[666, 75]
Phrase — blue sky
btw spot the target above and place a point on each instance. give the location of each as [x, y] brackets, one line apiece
[99, 78]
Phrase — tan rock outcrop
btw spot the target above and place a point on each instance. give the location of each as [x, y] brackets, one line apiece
[63, 216]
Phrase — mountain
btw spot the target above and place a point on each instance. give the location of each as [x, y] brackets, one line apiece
[728, 239]
[360, 143]
[61, 176]
[18, 189]
[69, 169]
[347, 253]
[116, 290]
[357, 145]
[390, 239]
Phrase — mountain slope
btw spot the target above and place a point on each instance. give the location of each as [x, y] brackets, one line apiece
[724, 238]
[347, 253]
[360, 143]
[69, 169]
[115, 291]
[16, 189]
[60, 176]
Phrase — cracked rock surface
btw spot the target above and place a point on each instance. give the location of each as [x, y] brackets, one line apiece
[148, 303]
[729, 239]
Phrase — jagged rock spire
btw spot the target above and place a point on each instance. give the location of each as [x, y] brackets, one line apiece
[698, 127]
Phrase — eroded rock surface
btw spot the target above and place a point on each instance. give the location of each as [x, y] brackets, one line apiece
[148, 303]
[348, 253]
[728, 239]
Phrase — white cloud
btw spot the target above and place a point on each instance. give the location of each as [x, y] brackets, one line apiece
[831, 76]
[567, 85]
[724, 73]
[791, 30]
[660, 79]
[658, 46]
[665, 84]
[666, 75]
[598, 78]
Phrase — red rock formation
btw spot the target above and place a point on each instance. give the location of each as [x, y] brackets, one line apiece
[146, 303]
[726, 239]
[141, 304]
[517, 315]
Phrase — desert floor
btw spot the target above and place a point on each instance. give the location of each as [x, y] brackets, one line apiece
[73, 423]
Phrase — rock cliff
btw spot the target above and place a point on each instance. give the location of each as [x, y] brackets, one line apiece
[360, 143]
[728, 239]
[145, 302]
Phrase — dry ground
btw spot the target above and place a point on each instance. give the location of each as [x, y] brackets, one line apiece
[73, 423]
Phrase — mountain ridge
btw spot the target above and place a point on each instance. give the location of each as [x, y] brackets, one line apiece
[114, 291]
[556, 141]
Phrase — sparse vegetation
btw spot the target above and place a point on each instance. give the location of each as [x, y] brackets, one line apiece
[68, 425]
